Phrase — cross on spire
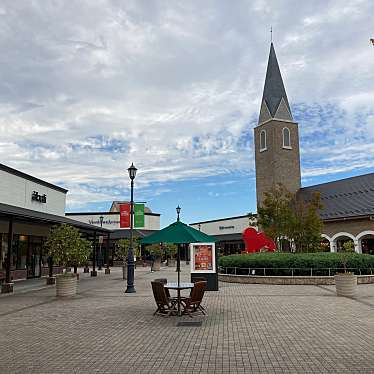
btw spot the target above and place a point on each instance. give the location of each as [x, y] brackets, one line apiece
[271, 34]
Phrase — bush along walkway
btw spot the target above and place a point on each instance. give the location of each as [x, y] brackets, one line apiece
[300, 264]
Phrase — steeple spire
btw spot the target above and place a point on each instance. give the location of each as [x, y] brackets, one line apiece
[274, 104]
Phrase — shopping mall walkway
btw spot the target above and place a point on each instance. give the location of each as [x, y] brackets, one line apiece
[250, 328]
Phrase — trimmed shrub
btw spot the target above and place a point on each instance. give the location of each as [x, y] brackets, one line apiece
[281, 263]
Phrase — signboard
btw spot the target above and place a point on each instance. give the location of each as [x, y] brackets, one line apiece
[124, 214]
[139, 215]
[203, 257]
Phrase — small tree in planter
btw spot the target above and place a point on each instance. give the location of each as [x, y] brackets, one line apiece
[67, 247]
[170, 251]
[156, 251]
[346, 283]
[123, 246]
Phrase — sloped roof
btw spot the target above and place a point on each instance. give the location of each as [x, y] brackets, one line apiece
[274, 90]
[344, 198]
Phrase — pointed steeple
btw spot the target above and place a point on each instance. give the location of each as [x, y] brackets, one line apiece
[274, 104]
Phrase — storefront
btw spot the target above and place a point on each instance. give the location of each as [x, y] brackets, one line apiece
[228, 231]
[29, 207]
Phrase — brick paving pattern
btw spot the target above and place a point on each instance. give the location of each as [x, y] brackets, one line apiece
[249, 329]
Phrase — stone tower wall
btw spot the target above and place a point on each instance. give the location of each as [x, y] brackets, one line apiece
[277, 164]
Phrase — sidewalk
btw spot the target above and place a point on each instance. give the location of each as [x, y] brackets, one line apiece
[249, 329]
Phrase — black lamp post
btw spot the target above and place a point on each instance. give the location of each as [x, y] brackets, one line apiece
[100, 259]
[178, 209]
[130, 257]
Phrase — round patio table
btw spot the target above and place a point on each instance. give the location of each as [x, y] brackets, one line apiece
[181, 286]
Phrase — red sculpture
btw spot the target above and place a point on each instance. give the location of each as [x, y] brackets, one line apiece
[257, 241]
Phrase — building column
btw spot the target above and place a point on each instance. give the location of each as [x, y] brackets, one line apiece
[7, 286]
[107, 269]
[93, 271]
[357, 244]
[333, 246]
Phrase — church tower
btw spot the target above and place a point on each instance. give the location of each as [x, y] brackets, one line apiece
[276, 137]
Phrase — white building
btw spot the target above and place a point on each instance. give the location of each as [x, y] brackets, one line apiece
[228, 231]
[29, 207]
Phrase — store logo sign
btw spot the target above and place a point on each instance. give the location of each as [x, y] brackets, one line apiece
[226, 227]
[39, 198]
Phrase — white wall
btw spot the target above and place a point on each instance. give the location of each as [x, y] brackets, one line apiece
[111, 221]
[224, 226]
[17, 191]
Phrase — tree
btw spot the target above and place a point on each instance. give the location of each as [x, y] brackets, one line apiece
[306, 225]
[123, 246]
[66, 246]
[287, 217]
[170, 249]
[275, 215]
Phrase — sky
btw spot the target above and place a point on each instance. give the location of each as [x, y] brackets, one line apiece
[87, 87]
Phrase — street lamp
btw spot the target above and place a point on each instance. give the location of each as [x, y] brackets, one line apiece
[130, 257]
[178, 209]
[101, 218]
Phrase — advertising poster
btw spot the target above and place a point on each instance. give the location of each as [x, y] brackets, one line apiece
[203, 257]
[139, 215]
[124, 214]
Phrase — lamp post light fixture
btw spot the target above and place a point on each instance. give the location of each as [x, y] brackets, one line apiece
[130, 256]
[178, 209]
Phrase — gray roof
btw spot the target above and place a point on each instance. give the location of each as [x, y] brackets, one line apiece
[344, 198]
[34, 216]
[121, 234]
[274, 89]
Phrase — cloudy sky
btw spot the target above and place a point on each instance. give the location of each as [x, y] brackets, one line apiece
[87, 87]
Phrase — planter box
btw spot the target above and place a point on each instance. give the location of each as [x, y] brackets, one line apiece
[346, 284]
[124, 271]
[66, 285]
[157, 265]
[171, 262]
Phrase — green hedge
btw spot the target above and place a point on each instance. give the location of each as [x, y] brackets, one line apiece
[301, 263]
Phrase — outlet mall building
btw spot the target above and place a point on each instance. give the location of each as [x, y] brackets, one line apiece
[29, 207]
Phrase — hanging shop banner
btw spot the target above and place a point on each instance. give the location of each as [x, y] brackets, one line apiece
[124, 213]
[139, 215]
[203, 257]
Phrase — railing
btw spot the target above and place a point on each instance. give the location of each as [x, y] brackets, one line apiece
[291, 272]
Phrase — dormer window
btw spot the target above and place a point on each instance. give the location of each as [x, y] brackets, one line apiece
[263, 141]
[286, 138]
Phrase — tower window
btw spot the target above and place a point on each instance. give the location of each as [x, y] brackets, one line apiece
[286, 138]
[263, 141]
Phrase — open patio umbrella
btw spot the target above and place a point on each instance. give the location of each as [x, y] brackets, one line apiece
[178, 233]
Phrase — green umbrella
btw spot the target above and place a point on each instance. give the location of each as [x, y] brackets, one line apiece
[178, 233]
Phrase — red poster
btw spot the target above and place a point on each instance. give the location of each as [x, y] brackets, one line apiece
[124, 214]
[203, 257]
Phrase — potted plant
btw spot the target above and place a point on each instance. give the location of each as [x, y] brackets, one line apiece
[67, 247]
[170, 251]
[122, 252]
[346, 283]
[156, 251]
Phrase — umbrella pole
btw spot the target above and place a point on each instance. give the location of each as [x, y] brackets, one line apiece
[179, 279]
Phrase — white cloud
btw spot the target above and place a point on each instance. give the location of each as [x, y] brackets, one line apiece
[89, 87]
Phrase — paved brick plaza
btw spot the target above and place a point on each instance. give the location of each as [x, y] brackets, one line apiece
[250, 328]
